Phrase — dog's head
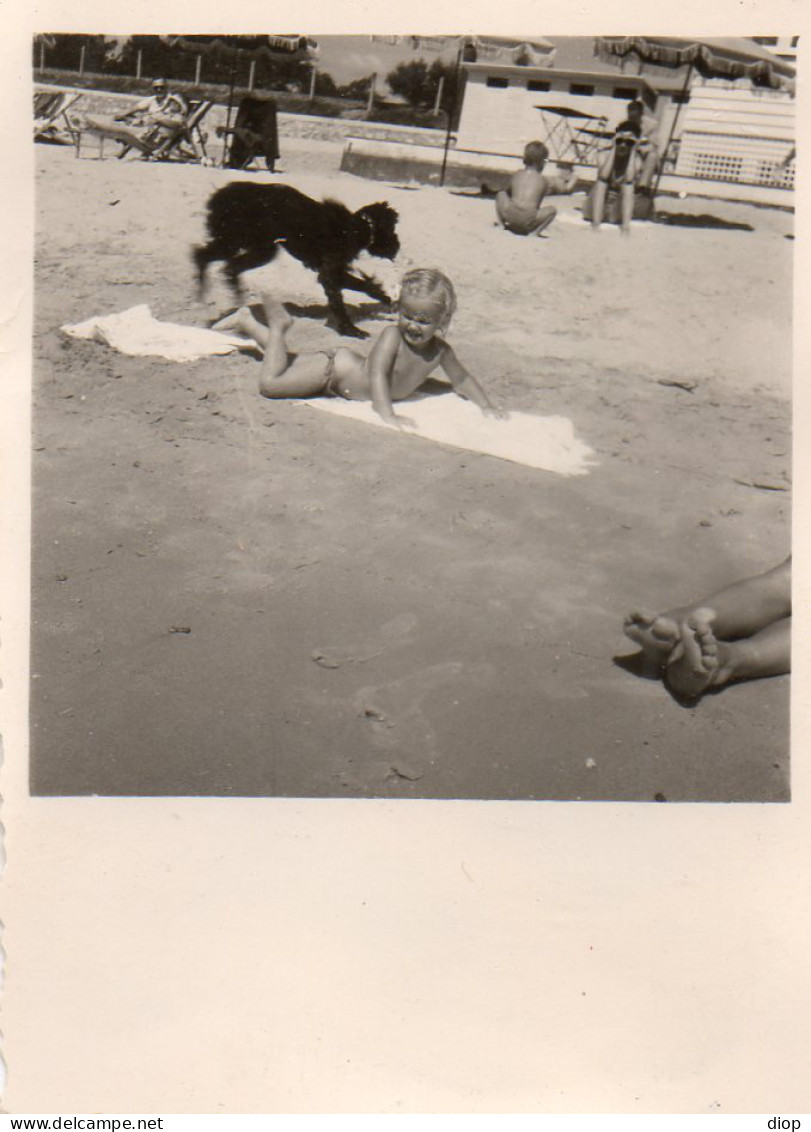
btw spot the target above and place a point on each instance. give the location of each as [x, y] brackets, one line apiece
[381, 221]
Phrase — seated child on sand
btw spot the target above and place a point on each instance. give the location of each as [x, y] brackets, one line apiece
[520, 208]
[742, 632]
[401, 359]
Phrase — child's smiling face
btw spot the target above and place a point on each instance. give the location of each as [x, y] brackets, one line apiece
[419, 318]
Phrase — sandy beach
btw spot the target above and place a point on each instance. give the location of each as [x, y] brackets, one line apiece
[370, 614]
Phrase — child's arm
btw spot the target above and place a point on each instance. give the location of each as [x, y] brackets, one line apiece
[560, 187]
[381, 363]
[466, 385]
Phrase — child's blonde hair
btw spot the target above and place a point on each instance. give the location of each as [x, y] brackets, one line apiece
[428, 283]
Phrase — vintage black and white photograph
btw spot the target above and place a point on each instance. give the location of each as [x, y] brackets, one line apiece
[412, 417]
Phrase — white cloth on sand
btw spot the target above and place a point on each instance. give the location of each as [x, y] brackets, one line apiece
[137, 332]
[548, 443]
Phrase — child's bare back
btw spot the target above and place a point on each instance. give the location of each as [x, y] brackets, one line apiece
[528, 187]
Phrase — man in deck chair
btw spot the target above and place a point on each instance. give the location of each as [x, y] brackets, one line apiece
[176, 136]
[155, 120]
[163, 108]
[187, 140]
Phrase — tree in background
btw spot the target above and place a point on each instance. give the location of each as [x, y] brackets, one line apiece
[358, 89]
[325, 85]
[418, 83]
[412, 82]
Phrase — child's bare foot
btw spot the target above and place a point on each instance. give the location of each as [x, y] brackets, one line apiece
[237, 320]
[657, 633]
[277, 314]
[703, 662]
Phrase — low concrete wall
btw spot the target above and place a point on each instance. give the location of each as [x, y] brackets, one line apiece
[423, 164]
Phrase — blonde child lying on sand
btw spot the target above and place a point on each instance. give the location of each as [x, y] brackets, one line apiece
[401, 359]
[743, 632]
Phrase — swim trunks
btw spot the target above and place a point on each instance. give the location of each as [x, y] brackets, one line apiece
[517, 218]
[332, 387]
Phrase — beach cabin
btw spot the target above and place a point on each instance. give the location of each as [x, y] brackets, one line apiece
[572, 111]
[738, 134]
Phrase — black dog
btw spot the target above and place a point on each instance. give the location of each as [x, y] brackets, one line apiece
[247, 222]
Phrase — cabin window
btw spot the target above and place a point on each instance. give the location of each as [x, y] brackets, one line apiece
[628, 93]
[538, 84]
[580, 88]
[497, 80]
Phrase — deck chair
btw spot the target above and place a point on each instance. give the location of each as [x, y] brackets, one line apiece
[51, 122]
[177, 145]
[573, 135]
[105, 129]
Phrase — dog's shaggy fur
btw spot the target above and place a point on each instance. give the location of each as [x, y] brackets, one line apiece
[247, 222]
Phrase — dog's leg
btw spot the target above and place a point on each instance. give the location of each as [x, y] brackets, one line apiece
[246, 261]
[365, 283]
[331, 280]
[202, 258]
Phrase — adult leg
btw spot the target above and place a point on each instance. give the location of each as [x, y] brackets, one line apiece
[650, 163]
[707, 662]
[627, 207]
[598, 195]
[738, 610]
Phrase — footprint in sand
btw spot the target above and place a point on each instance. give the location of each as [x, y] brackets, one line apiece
[388, 636]
[397, 722]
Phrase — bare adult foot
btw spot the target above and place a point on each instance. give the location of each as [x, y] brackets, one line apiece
[657, 633]
[703, 662]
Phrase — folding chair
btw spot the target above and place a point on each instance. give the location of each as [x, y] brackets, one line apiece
[51, 123]
[159, 142]
[105, 129]
[573, 135]
[179, 144]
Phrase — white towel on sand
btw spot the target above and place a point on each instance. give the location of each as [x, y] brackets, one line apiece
[548, 443]
[137, 332]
